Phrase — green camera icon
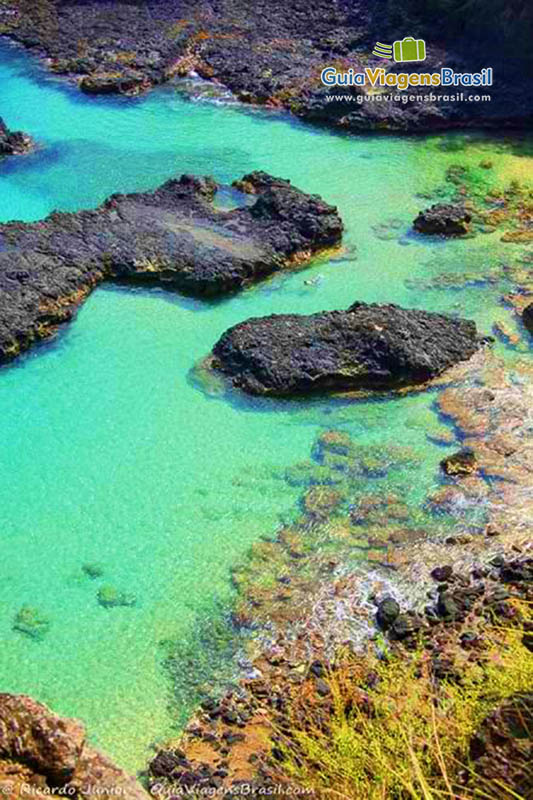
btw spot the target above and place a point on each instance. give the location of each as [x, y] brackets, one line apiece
[409, 49]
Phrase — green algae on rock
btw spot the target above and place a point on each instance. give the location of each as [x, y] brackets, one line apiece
[31, 622]
[111, 597]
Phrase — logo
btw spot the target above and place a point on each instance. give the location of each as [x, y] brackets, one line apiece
[407, 49]
[382, 50]
[385, 76]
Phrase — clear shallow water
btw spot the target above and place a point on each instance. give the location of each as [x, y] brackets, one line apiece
[110, 453]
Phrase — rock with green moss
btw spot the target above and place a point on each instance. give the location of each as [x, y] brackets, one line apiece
[31, 622]
[111, 597]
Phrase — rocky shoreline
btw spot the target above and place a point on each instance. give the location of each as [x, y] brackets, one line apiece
[443, 578]
[438, 578]
[173, 237]
[267, 53]
[450, 580]
[240, 740]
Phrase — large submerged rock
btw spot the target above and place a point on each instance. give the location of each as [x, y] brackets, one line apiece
[174, 237]
[368, 346]
[43, 754]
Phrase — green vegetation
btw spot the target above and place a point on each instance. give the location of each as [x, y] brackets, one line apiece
[405, 735]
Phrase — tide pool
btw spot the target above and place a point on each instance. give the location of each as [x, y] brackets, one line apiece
[110, 453]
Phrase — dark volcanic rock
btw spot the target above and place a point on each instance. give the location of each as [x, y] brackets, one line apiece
[405, 626]
[527, 317]
[14, 143]
[388, 611]
[273, 51]
[368, 346]
[174, 237]
[442, 574]
[445, 219]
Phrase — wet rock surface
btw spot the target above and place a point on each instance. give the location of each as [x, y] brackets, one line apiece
[14, 143]
[173, 237]
[42, 753]
[267, 52]
[368, 346]
[444, 219]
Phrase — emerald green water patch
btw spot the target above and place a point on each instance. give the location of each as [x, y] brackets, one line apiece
[121, 479]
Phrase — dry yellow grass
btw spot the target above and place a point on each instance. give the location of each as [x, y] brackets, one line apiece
[410, 738]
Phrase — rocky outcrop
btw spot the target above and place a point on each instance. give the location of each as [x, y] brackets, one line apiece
[368, 346]
[41, 752]
[173, 237]
[272, 52]
[123, 83]
[14, 143]
[444, 219]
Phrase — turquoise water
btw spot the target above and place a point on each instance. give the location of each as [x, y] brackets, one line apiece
[111, 453]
